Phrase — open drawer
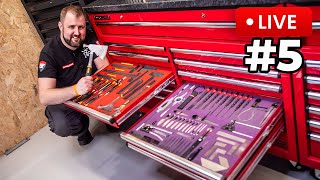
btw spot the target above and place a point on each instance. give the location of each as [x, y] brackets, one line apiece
[119, 90]
[207, 132]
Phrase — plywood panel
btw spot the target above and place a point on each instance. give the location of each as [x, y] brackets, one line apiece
[20, 111]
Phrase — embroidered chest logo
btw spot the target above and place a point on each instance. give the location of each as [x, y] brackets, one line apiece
[86, 52]
[42, 65]
[68, 65]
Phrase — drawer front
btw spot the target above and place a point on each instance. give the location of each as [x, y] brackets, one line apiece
[220, 63]
[265, 146]
[314, 125]
[203, 24]
[312, 67]
[314, 144]
[313, 97]
[311, 56]
[208, 132]
[313, 40]
[313, 82]
[313, 112]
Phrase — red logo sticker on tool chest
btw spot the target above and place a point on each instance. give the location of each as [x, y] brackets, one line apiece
[42, 65]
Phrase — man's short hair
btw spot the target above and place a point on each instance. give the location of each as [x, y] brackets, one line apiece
[76, 10]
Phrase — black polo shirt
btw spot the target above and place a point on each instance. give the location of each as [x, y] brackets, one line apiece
[66, 66]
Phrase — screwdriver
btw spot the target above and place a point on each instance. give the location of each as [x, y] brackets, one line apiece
[206, 99]
[244, 100]
[212, 99]
[224, 100]
[228, 103]
[234, 103]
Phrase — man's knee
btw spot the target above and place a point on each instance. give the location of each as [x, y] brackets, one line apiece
[60, 128]
[63, 121]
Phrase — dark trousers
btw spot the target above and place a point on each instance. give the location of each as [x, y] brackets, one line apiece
[64, 121]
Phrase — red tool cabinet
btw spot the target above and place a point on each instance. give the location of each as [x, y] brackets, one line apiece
[306, 98]
[202, 47]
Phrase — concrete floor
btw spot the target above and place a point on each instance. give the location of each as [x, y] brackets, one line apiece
[47, 156]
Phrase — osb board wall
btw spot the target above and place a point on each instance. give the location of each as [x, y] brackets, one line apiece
[21, 114]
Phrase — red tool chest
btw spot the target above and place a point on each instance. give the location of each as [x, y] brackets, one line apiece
[201, 49]
[306, 97]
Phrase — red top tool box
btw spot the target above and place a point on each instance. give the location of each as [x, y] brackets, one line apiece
[206, 115]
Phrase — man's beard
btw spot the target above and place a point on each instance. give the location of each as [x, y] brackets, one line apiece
[71, 43]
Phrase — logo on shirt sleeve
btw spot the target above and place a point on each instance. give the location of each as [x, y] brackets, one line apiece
[42, 65]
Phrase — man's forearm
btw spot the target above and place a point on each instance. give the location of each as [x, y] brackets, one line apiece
[57, 95]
